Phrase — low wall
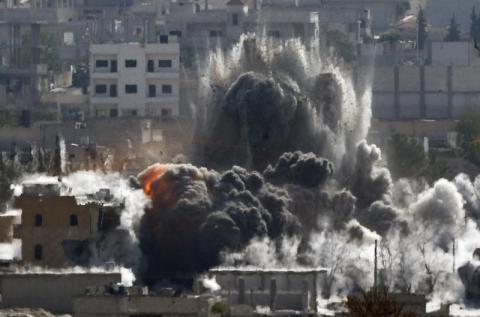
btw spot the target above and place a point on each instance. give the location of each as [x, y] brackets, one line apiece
[53, 292]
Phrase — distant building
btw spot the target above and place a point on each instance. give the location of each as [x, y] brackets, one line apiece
[135, 79]
[136, 302]
[56, 227]
[199, 31]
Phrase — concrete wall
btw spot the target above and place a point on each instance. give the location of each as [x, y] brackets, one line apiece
[53, 292]
[429, 92]
[109, 305]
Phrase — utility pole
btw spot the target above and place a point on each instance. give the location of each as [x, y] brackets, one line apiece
[454, 251]
[375, 268]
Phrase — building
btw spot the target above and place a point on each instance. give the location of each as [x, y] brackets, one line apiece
[56, 227]
[135, 79]
[280, 290]
[54, 292]
[431, 92]
[137, 302]
[199, 30]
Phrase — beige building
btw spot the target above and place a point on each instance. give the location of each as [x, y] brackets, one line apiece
[55, 228]
[135, 79]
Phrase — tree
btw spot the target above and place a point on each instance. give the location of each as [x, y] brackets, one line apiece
[406, 157]
[402, 8]
[342, 45]
[473, 25]
[390, 37]
[49, 55]
[58, 160]
[421, 29]
[375, 303]
[453, 32]
[468, 129]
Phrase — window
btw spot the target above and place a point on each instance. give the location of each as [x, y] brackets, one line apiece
[151, 66]
[130, 63]
[164, 39]
[215, 33]
[165, 112]
[38, 252]
[165, 63]
[152, 90]
[235, 19]
[176, 33]
[113, 90]
[38, 220]
[100, 89]
[101, 113]
[101, 63]
[113, 113]
[113, 66]
[274, 33]
[73, 220]
[130, 89]
[167, 89]
[129, 112]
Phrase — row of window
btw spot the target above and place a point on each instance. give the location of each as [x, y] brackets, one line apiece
[271, 33]
[39, 220]
[132, 63]
[101, 89]
[113, 113]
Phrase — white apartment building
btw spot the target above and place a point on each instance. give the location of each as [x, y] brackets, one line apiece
[135, 79]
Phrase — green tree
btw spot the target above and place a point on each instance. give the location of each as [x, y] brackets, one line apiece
[57, 167]
[406, 157]
[49, 55]
[468, 129]
[402, 8]
[453, 31]
[221, 309]
[473, 25]
[342, 45]
[421, 29]
[390, 37]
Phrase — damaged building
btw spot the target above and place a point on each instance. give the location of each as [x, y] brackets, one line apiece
[277, 289]
[57, 228]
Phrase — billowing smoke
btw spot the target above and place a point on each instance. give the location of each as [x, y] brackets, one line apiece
[279, 99]
[198, 213]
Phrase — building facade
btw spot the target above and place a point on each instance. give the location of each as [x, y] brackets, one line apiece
[293, 290]
[56, 227]
[135, 79]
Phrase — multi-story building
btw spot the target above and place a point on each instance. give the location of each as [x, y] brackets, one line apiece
[56, 227]
[135, 79]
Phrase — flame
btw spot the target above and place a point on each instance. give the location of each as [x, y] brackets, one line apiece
[149, 176]
[158, 186]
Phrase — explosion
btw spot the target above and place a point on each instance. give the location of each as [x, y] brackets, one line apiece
[289, 180]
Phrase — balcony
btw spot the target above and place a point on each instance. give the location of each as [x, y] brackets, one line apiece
[23, 71]
[162, 99]
[104, 99]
